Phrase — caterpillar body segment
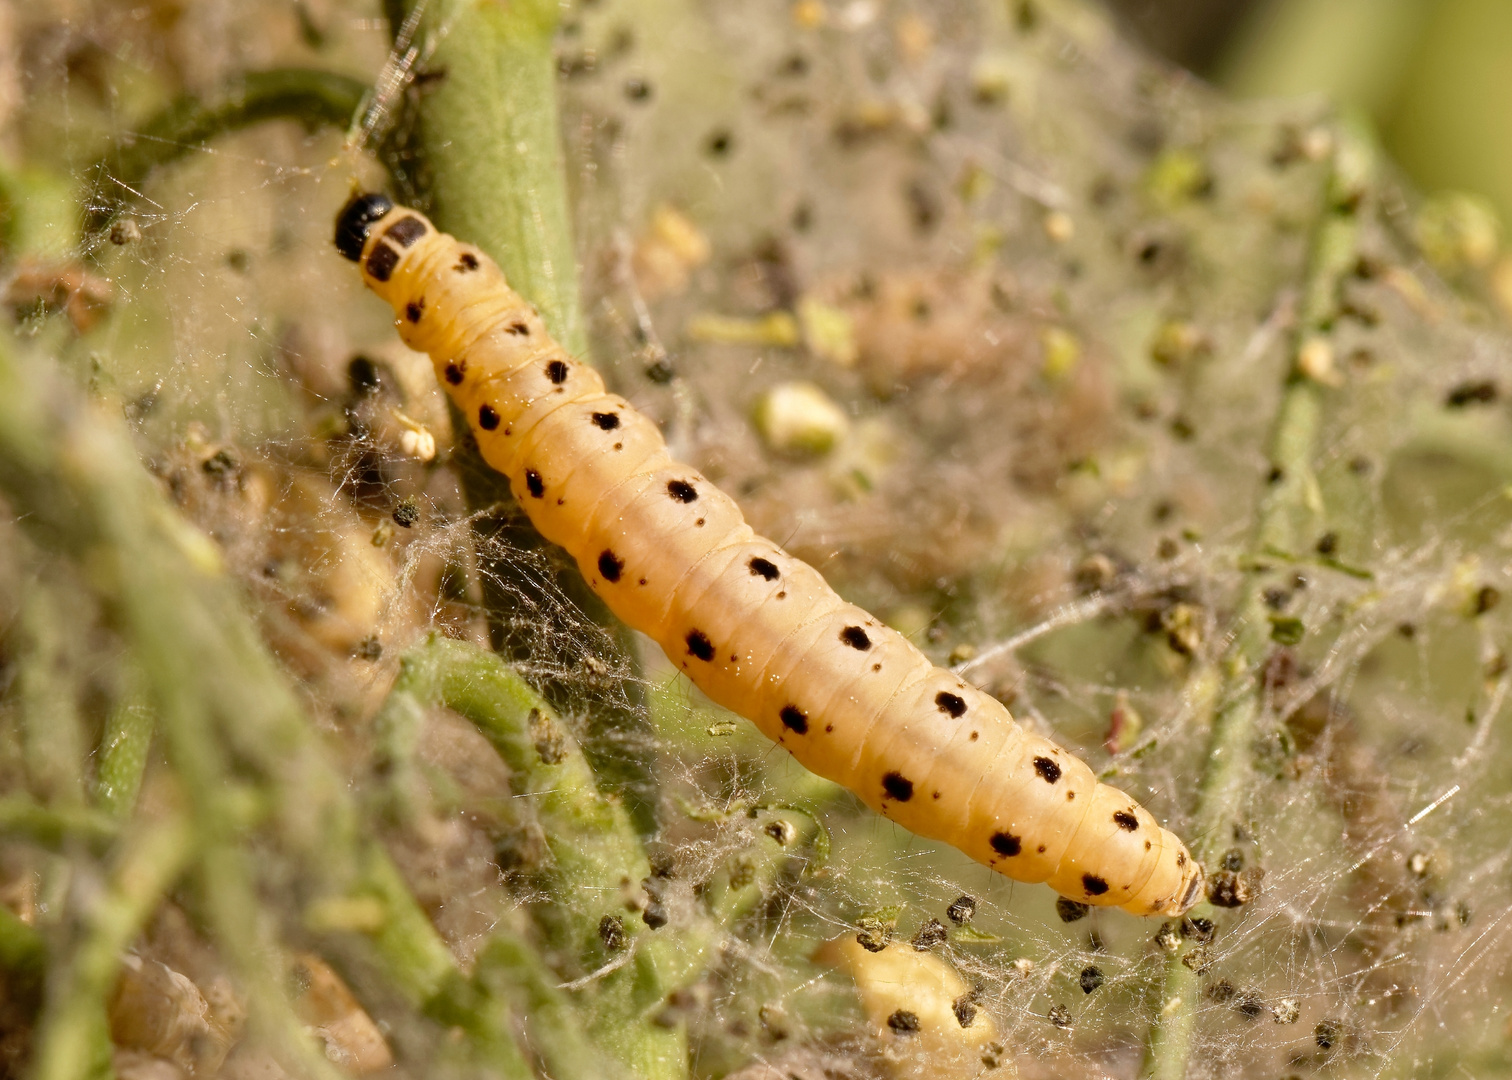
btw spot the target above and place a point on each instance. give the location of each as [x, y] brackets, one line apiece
[757, 630]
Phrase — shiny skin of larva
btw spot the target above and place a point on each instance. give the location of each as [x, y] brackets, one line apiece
[507, 408]
[808, 687]
[1177, 883]
[642, 582]
[849, 695]
[778, 648]
[1041, 803]
[1104, 851]
[899, 759]
[923, 766]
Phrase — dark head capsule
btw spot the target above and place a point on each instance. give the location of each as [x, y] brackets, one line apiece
[356, 218]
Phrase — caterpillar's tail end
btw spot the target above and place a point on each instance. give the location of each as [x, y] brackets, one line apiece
[356, 217]
[1196, 889]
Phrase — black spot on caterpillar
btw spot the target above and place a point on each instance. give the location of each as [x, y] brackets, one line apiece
[952, 705]
[700, 646]
[897, 786]
[1006, 844]
[1048, 769]
[856, 638]
[853, 700]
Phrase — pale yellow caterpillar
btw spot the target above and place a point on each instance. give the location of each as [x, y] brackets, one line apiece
[928, 1021]
[756, 629]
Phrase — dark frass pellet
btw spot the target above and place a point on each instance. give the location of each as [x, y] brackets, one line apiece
[407, 512]
[932, 933]
[1071, 910]
[903, 1022]
[611, 931]
[1091, 978]
[961, 910]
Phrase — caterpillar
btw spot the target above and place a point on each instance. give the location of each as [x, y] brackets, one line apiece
[759, 631]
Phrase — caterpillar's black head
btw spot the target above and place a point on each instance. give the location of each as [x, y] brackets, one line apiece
[354, 220]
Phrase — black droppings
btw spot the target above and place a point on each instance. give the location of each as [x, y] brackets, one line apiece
[682, 491]
[700, 646]
[1048, 769]
[961, 910]
[611, 931]
[1480, 392]
[856, 638]
[407, 513]
[556, 371]
[763, 568]
[610, 566]
[897, 786]
[1198, 929]
[794, 719]
[455, 371]
[929, 935]
[534, 484]
[381, 262]
[1125, 820]
[1006, 844]
[965, 1010]
[363, 376]
[1070, 910]
[903, 1022]
[488, 419]
[951, 704]
[353, 222]
[719, 143]
[414, 309]
[1094, 885]
[608, 421]
[1091, 979]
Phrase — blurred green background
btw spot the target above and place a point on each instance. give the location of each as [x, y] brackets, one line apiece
[1434, 77]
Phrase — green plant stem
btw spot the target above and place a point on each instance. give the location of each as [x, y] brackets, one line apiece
[632, 1014]
[493, 173]
[1290, 503]
[53, 827]
[124, 744]
[597, 857]
[311, 96]
[47, 691]
[595, 854]
[23, 953]
[492, 148]
[73, 1038]
[70, 472]
[511, 971]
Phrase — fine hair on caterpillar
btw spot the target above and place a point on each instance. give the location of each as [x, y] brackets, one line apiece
[759, 631]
